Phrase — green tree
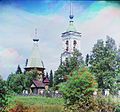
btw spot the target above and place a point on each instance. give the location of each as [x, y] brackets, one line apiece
[67, 67]
[51, 78]
[118, 69]
[18, 71]
[78, 88]
[4, 95]
[13, 82]
[29, 77]
[103, 63]
[20, 82]
[0, 77]
[87, 60]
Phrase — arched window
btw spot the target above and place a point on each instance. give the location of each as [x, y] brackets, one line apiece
[74, 44]
[67, 42]
[67, 48]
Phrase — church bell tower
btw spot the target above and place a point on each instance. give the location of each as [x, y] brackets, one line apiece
[70, 38]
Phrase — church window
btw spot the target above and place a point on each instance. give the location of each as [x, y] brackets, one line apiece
[67, 48]
[67, 42]
[74, 42]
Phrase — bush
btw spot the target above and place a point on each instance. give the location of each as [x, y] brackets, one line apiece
[4, 96]
[93, 104]
[79, 87]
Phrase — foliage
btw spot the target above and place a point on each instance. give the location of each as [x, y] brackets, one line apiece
[15, 82]
[51, 78]
[87, 60]
[78, 94]
[4, 96]
[94, 104]
[20, 82]
[0, 77]
[118, 69]
[79, 86]
[103, 63]
[29, 77]
[18, 71]
[67, 67]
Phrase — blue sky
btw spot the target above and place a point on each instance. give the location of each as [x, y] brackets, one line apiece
[42, 6]
[19, 18]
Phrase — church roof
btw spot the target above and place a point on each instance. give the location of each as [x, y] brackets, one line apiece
[35, 60]
[46, 80]
[38, 83]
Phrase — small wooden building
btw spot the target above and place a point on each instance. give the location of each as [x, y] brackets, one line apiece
[37, 87]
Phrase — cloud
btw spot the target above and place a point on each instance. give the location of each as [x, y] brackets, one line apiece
[9, 59]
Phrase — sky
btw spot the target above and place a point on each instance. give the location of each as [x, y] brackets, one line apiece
[19, 18]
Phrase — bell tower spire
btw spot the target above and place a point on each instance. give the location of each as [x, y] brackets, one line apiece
[70, 38]
[71, 16]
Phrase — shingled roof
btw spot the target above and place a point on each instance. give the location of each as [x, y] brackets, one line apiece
[46, 80]
[35, 60]
[38, 83]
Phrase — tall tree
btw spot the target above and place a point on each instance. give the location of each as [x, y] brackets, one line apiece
[103, 63]
[87, 60]
[51, 78]
[18, 71]
[68, 66]
[0, 77]
[118, 69]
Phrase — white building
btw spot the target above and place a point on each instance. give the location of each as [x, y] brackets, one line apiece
[70, 39]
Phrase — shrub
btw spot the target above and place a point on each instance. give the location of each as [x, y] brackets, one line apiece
[4, 96]
[78, 88]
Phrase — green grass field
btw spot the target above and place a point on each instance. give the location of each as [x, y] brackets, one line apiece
[38, 104]
[38, 100]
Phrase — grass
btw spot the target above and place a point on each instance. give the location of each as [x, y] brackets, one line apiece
[38, 100]
[37, 104]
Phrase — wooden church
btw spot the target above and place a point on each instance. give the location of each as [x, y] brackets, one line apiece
[34, 62]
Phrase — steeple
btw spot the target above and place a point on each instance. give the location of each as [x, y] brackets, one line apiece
[36, 37]
[35, 60]
[71, 16]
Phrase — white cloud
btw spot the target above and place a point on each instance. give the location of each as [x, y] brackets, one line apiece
[9, 59]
